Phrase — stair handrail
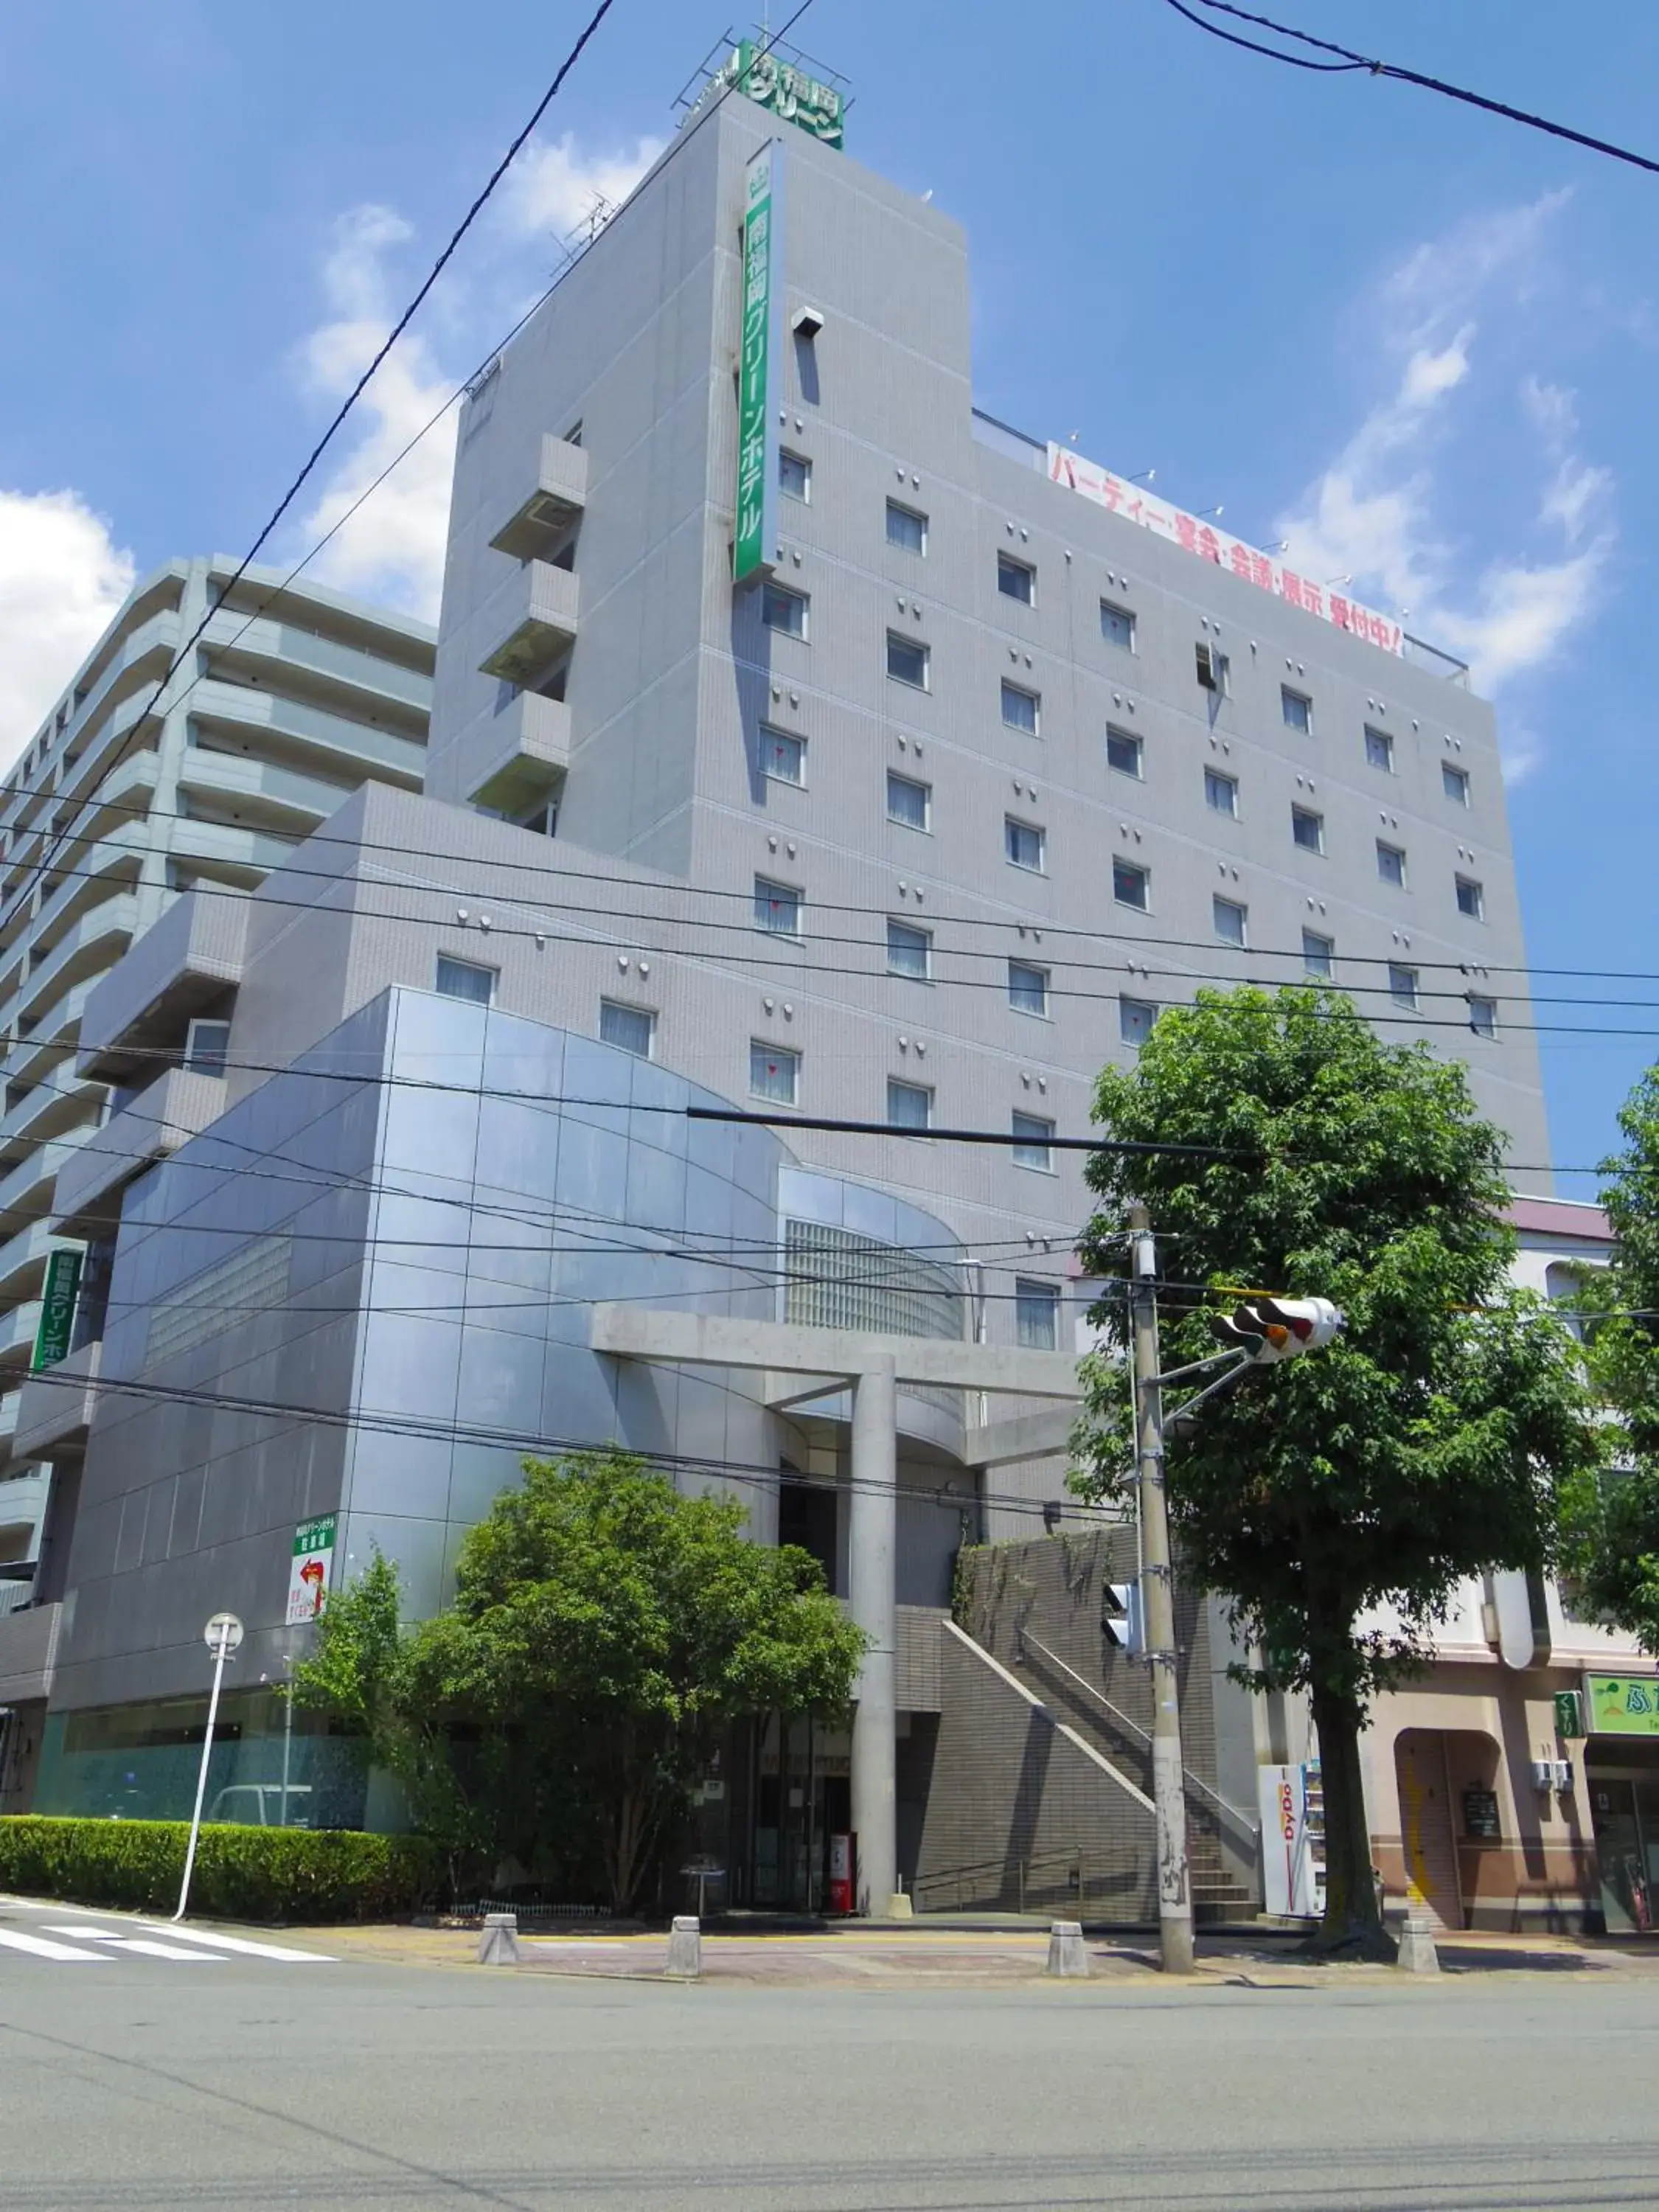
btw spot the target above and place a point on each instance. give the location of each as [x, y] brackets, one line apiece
[1232, 1813]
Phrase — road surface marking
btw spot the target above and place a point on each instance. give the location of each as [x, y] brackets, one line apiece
[120, 1942]
[40, 1948]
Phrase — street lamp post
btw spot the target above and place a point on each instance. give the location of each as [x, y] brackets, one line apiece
[222, 1636]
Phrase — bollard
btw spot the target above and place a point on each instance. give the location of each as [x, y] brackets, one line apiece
[498, 1940]
[1068, 1955]
[1417, 1954]
[685, 1947]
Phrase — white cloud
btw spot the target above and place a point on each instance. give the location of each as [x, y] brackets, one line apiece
[62, 578]
[555, 187]
[391, 548]
[1375, 513]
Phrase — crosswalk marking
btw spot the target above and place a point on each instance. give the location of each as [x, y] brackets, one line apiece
[41, 1948]
[118, 1940]
[211, 1943]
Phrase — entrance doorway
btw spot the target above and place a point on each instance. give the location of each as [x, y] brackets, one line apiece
[803, 1794]
[1624, 1822]
[1428, 1838]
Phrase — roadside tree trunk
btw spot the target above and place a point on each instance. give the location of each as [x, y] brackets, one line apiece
[1352, 1926]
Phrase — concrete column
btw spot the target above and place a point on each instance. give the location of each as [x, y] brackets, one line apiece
[874, 1531]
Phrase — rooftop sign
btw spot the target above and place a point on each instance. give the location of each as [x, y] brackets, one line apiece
[1193, 534]
[784, 90]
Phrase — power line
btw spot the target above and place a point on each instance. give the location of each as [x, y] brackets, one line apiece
[1350, 61]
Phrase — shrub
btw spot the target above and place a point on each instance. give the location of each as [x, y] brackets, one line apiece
[240, 1874]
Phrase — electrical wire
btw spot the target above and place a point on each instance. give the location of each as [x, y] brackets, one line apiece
[1350, 61]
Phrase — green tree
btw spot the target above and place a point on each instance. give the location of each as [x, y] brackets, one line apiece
[1611, 1515]
[1427, 1444]
[604, 1634]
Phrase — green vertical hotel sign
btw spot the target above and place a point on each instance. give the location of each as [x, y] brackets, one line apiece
[760, 364]
[52, 1337]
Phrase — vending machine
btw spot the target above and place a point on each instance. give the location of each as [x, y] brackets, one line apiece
[1293, 1840]
[842, 1861]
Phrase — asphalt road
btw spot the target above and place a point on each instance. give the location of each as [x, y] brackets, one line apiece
[141, 2081]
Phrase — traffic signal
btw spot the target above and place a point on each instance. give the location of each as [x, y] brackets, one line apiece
[1269, 1329]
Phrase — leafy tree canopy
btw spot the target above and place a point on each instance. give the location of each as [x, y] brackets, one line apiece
[605, 1631]
[1337, 1499]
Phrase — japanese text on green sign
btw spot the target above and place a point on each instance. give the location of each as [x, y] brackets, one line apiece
[757, 444]
[52, 1337]
[784, 91]
[1623, 1704]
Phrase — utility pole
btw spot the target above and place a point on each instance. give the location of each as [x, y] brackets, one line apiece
[1175, 1901]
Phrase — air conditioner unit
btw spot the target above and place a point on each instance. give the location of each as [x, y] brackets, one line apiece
[1543, 1773]
[1563, 1775]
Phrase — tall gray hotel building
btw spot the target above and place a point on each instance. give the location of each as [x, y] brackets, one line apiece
[985, 756]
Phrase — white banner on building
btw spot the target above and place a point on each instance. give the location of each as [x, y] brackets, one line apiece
[1193, 534]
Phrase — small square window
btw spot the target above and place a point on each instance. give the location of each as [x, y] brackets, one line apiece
[1135, 1017]
[1015, 579]
[773, 1074]
[465, 979]
[1117, 625]
[906, 528]
[779, 907]
[1024, 844]
[1221, 794]
[1391, 864]
[1308, 829]
[1297, 709]
[907, 661]
[1483, 1015]
[1021, 709]
[1028, 988]
[1034, 1137]
[1379, 750]
[1471, 899]
[1125, 754]
[207, 1046]
[910, 951]
[1455, 782]
[1230, 919]
[1402, 986]
[783, 757]
[1214, 669]
[1131, 885]
[630, 1027]
[1318, 954]
[1036, 1315]
[908, 801]
[784, 610]
[794, 475]
[909, 1105]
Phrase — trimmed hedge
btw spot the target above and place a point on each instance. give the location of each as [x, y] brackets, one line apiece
[240, 1874]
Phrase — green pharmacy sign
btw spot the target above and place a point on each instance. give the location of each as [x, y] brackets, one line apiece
[1623, 1704]
[785, 92]
[52, 1337]
[760, 365]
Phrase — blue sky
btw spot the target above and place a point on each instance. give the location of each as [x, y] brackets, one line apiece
[1420, 342]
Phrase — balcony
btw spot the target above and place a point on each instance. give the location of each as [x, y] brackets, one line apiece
[270, 719]
[48, 1109]
[93, 945]
[357, 678]
[263, 794]
[48, 1046]
[54, 1415]
[17, 1330]
[531, 752]
[558, 500]
[535, 617]
[168, 1113]
[26, 1190]
[194, 953]
[23, 1260]
[28, 1652]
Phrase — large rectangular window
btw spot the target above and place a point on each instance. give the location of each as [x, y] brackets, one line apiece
[906, 528]
[1483, 1015]
[1021, 709]
[794, 475]
[783, 757]
[1033, 1147]
[778, 907]
[1297, 709]
[1471, 899]
[1391, 864]
[1221, 794]
[1125, 753]
[908, 801]
[1023, 843]
[1379, 750]
[1135, 1017]
[465, 979]
[1117, 625]
[630, 1027]
[1036, 1314]
[1131, 885]
[1015, 579]
[907, 661]
[910, 951]
[773, 1074]
[1402, 986]
[1318, 954]
[784, 610]
[1231, 921]
[1308, 829]
[207, 1045]
[1028, 988]
[909, 1105]
[1455, 782]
